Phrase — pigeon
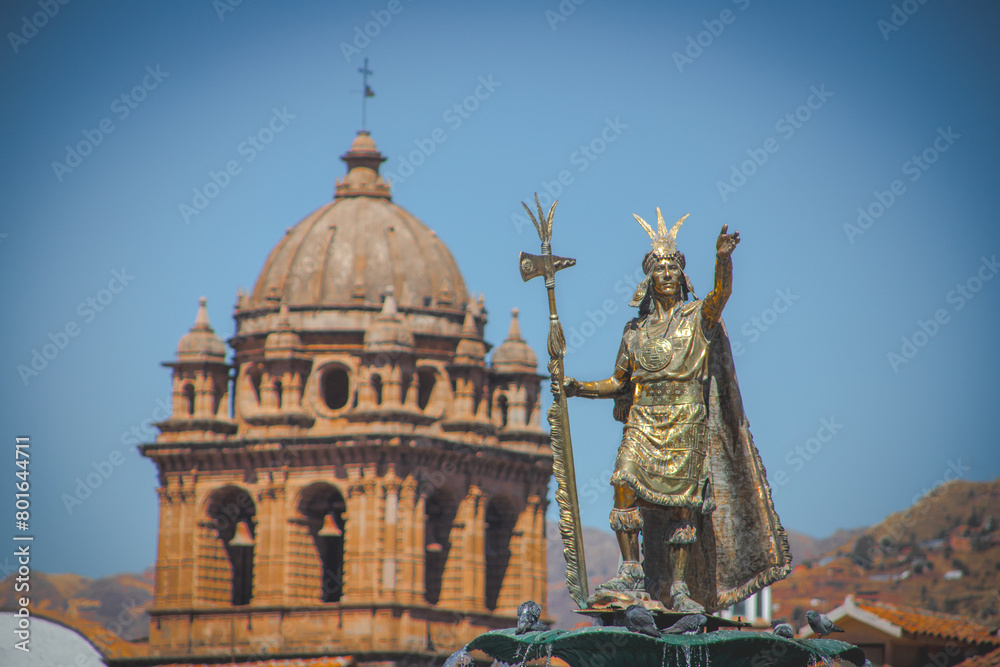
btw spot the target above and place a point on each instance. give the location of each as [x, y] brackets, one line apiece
[782, 629]
[687, 625]
[639, 619]
[527, 618]
[821, 623]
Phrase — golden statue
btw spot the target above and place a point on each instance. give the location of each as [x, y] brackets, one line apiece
[688, 475]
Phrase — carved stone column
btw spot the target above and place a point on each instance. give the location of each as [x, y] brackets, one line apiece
[410, 577]
[474, 554]
[355, 535]
[389, 578]
[272, 545]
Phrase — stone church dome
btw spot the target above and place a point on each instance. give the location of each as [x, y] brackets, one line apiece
[358, 248]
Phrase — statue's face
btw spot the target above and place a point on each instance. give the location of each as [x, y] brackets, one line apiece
[666, 277]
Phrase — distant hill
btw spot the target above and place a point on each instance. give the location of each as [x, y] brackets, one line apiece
[806, 548]
[117, 603]
[941, 554]
[602, 554]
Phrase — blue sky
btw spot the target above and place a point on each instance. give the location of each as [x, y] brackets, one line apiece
[865, 340]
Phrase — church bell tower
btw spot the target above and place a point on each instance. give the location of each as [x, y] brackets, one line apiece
[352, 473]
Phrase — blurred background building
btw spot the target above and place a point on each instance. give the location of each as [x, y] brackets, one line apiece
[357, 478]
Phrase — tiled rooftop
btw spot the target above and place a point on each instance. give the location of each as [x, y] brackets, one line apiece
[923, 622]
[991, 659]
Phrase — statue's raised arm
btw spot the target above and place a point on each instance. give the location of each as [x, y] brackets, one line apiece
[723, 287]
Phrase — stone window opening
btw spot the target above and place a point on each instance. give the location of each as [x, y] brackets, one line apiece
[477, 397]
[255, 380]
[218, 394]
[279, 391]
[500, 520]
[189, 398]
[335, 387]
[377, 387]
[406, 384]
[323, 508]
[439, 511]
[233, 515]
[426, 379]
[502, 408]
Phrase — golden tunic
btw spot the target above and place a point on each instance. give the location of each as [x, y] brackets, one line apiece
[663, 454]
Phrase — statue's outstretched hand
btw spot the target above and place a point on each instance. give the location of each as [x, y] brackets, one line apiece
[571, 387]
[727, 242]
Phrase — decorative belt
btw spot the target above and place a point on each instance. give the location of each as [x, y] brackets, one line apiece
[668, 392]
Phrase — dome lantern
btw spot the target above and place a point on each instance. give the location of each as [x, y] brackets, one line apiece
[346, 254]
[362, 179]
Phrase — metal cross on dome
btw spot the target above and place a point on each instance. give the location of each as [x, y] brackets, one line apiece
[366, 92]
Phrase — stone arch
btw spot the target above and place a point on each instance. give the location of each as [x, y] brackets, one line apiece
[255, 374]
[317, 544]
[188, 392]
[219, 390]
[279, 392]
[502, 410]
[226, 546]
[501, 517]
[440, 509]
[427, 377]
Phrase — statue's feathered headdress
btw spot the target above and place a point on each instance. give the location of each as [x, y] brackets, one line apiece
[664, 244]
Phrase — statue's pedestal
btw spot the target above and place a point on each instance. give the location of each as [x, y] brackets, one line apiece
[619, 647]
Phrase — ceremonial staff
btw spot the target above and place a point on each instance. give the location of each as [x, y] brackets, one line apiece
[546, 265]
